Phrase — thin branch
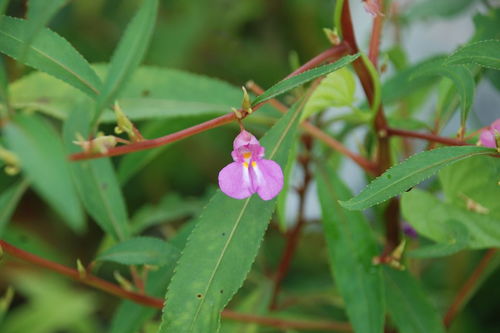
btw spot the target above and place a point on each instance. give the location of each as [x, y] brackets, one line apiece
[426, 136]
[316, 132]
[469, 287]
[376, 32]
[330, 54]
[157, 303]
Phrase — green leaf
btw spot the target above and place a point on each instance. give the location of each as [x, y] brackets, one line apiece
[96, 180]
[39, 14]
[408, 305]
[462, 79]
[44, 161]
[283, 196]
[130, 52]
[431, 218]
[222, 247]
[295, 81]
[471, 181]
[49, 53]
[400, 85]
[151, 92]
[141, 251]
[351, 247]
[335, 90]
[9, 199]
[457, 241]
[409, 173]
[4, 83]
[171, 208]
[485, 53]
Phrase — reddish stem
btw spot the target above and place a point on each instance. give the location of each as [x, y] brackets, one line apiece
[376, 32]
[426, 136]
[331, 54]
[316, 132]
[154, 302]
[468, 288]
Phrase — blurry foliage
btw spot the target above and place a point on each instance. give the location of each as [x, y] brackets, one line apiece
[164, 190]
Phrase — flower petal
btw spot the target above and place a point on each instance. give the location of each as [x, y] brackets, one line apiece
[235, 181]
[267, 178]
[487, 138]
[243, 139]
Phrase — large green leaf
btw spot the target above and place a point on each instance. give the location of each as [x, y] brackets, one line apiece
[141, 251]
[49, 53]
[44, 160]
[351, 247]
[130, 51]
[457, 240]
[151, 92]
[9, 199]
[473, 181]
[432, 217]
[336, 89]
[408, 305]
[39, 14]
[409, 173]
[462, 78]
[96, 180]
[485, 53]
[222, 247]
[295, 81]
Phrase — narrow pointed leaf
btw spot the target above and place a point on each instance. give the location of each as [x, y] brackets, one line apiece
[130, 51]
[141, 251]
[484, 53]
[48, 52]
[462, 79]
[222, 248]
[43, 159]
[9, 199]
[39, 14]
[408, 305]
[96, 180]
[295, 81]
[409, 173]
[351, 248]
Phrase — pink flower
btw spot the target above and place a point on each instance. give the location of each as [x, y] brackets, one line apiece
[250, 173]
[488, 135]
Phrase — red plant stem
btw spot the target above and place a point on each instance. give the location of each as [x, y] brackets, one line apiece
[293, 236]
[330, 54]
[468, 288]
[426, 136]
[85, 278]
[383, 158]
[376, 32]
[157, 303]
[316, 132]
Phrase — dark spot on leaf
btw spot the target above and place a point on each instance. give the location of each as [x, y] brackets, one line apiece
[408, 190]
[104, 186]
[199, 295]
[223, 234]
[43, 100]
[389, 176]
[222, 291]
[146, 93]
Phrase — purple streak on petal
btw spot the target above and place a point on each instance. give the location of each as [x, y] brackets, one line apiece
[243, 139]
[268, 178]
[487, 138]
[409, 231]
[234, 180]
